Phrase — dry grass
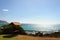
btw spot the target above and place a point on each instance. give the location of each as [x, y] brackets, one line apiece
[24, 37]
[35, 38]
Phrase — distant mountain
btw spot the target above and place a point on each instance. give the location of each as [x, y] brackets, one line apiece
[3, 22]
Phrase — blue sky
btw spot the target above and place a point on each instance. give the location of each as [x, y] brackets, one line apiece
[30, 11]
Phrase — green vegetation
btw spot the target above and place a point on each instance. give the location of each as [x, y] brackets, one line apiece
[11, 30]
[8, 32]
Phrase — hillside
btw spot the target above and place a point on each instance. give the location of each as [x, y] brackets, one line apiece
[3, 22]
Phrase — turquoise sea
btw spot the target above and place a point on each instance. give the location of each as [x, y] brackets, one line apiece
[40, 28]
[1, 25]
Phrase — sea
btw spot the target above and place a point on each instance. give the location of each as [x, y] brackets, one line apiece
[37, 27]
[1, 25]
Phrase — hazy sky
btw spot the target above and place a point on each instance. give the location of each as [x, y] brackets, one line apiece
[30, 11]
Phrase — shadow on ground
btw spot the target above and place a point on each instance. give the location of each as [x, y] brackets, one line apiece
[10, 35]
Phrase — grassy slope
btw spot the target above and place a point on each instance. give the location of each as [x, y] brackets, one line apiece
[23, 37]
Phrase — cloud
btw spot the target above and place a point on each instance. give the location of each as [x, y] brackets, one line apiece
[5, 10]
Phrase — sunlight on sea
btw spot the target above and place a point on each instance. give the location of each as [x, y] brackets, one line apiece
[40, 27]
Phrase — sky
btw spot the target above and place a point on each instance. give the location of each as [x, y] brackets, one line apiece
[30, 11]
